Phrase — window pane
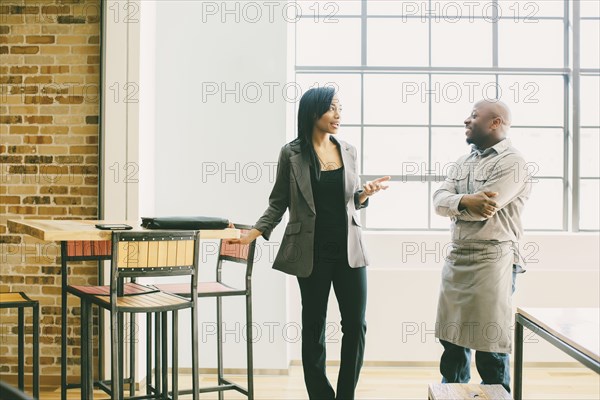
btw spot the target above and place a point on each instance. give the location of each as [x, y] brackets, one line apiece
[311, 39]
[452, 96]
[461, 44]
[544, 209]
[542, 149]
[590, 43]
[328, 9]
[348, 86]
[529, 10]
[534, 100]
[590, 100]
[589, 217]
[392, 7]
[590, 8]
[388, 42]
[589, 157]
[447, 145]
[403, 205]
[396, 99]
[394, 151]
[522, 44]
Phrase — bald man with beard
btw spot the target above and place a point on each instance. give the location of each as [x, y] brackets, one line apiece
[483, 195]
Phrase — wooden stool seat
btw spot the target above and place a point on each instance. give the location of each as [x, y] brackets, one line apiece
[13, 297]
[463, 391]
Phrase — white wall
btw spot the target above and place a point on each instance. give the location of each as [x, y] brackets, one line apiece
[211, 152]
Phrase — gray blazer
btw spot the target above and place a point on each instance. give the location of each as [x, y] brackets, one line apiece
[293, 190]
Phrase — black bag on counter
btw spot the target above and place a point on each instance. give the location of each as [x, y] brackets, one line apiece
[185, 223]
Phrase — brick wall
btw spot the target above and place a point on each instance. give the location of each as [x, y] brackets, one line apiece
[49, 74]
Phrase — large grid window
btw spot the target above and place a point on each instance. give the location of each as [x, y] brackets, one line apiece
[408, 74]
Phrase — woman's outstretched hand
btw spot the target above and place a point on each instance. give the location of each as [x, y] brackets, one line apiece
[372, 187]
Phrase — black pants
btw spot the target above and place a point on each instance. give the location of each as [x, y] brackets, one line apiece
[350, 286]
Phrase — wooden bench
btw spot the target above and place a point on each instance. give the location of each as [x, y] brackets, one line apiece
[462, 391]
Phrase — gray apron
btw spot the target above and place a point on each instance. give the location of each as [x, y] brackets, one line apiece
[474, 307]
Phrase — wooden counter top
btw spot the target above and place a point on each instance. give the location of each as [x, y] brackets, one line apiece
[64, 230]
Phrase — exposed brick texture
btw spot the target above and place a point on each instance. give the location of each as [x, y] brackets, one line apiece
[49, 69]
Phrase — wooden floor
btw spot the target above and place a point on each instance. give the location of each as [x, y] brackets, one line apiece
[379, 383]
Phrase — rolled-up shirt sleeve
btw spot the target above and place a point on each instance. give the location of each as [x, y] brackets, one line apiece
[446, 199]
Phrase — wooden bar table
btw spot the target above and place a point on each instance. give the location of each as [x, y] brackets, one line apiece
[576, 331]
[82, 241]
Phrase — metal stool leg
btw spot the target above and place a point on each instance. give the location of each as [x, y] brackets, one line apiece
[90, 350]
[132, 342]
[165, 371]
[220, 374]
[63, 323]
[83, 316]
[87, 351]
[121, 393]
[195, 378]
[21, 348]
[114, 360]
[36, 350]
[148, 353]
[249, 343]
[157, 354]
[175, 367]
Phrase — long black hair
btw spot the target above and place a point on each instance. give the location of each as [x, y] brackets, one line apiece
[313, 104]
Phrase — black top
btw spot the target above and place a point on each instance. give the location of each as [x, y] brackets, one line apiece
[330, 224]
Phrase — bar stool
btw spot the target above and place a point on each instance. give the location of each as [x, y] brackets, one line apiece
[141, 254]
[230, 253]
[20, 301]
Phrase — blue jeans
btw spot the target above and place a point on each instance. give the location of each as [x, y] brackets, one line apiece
[494, 368]
[455, 366]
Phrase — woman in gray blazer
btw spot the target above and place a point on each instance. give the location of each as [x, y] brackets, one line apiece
[318, 182]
